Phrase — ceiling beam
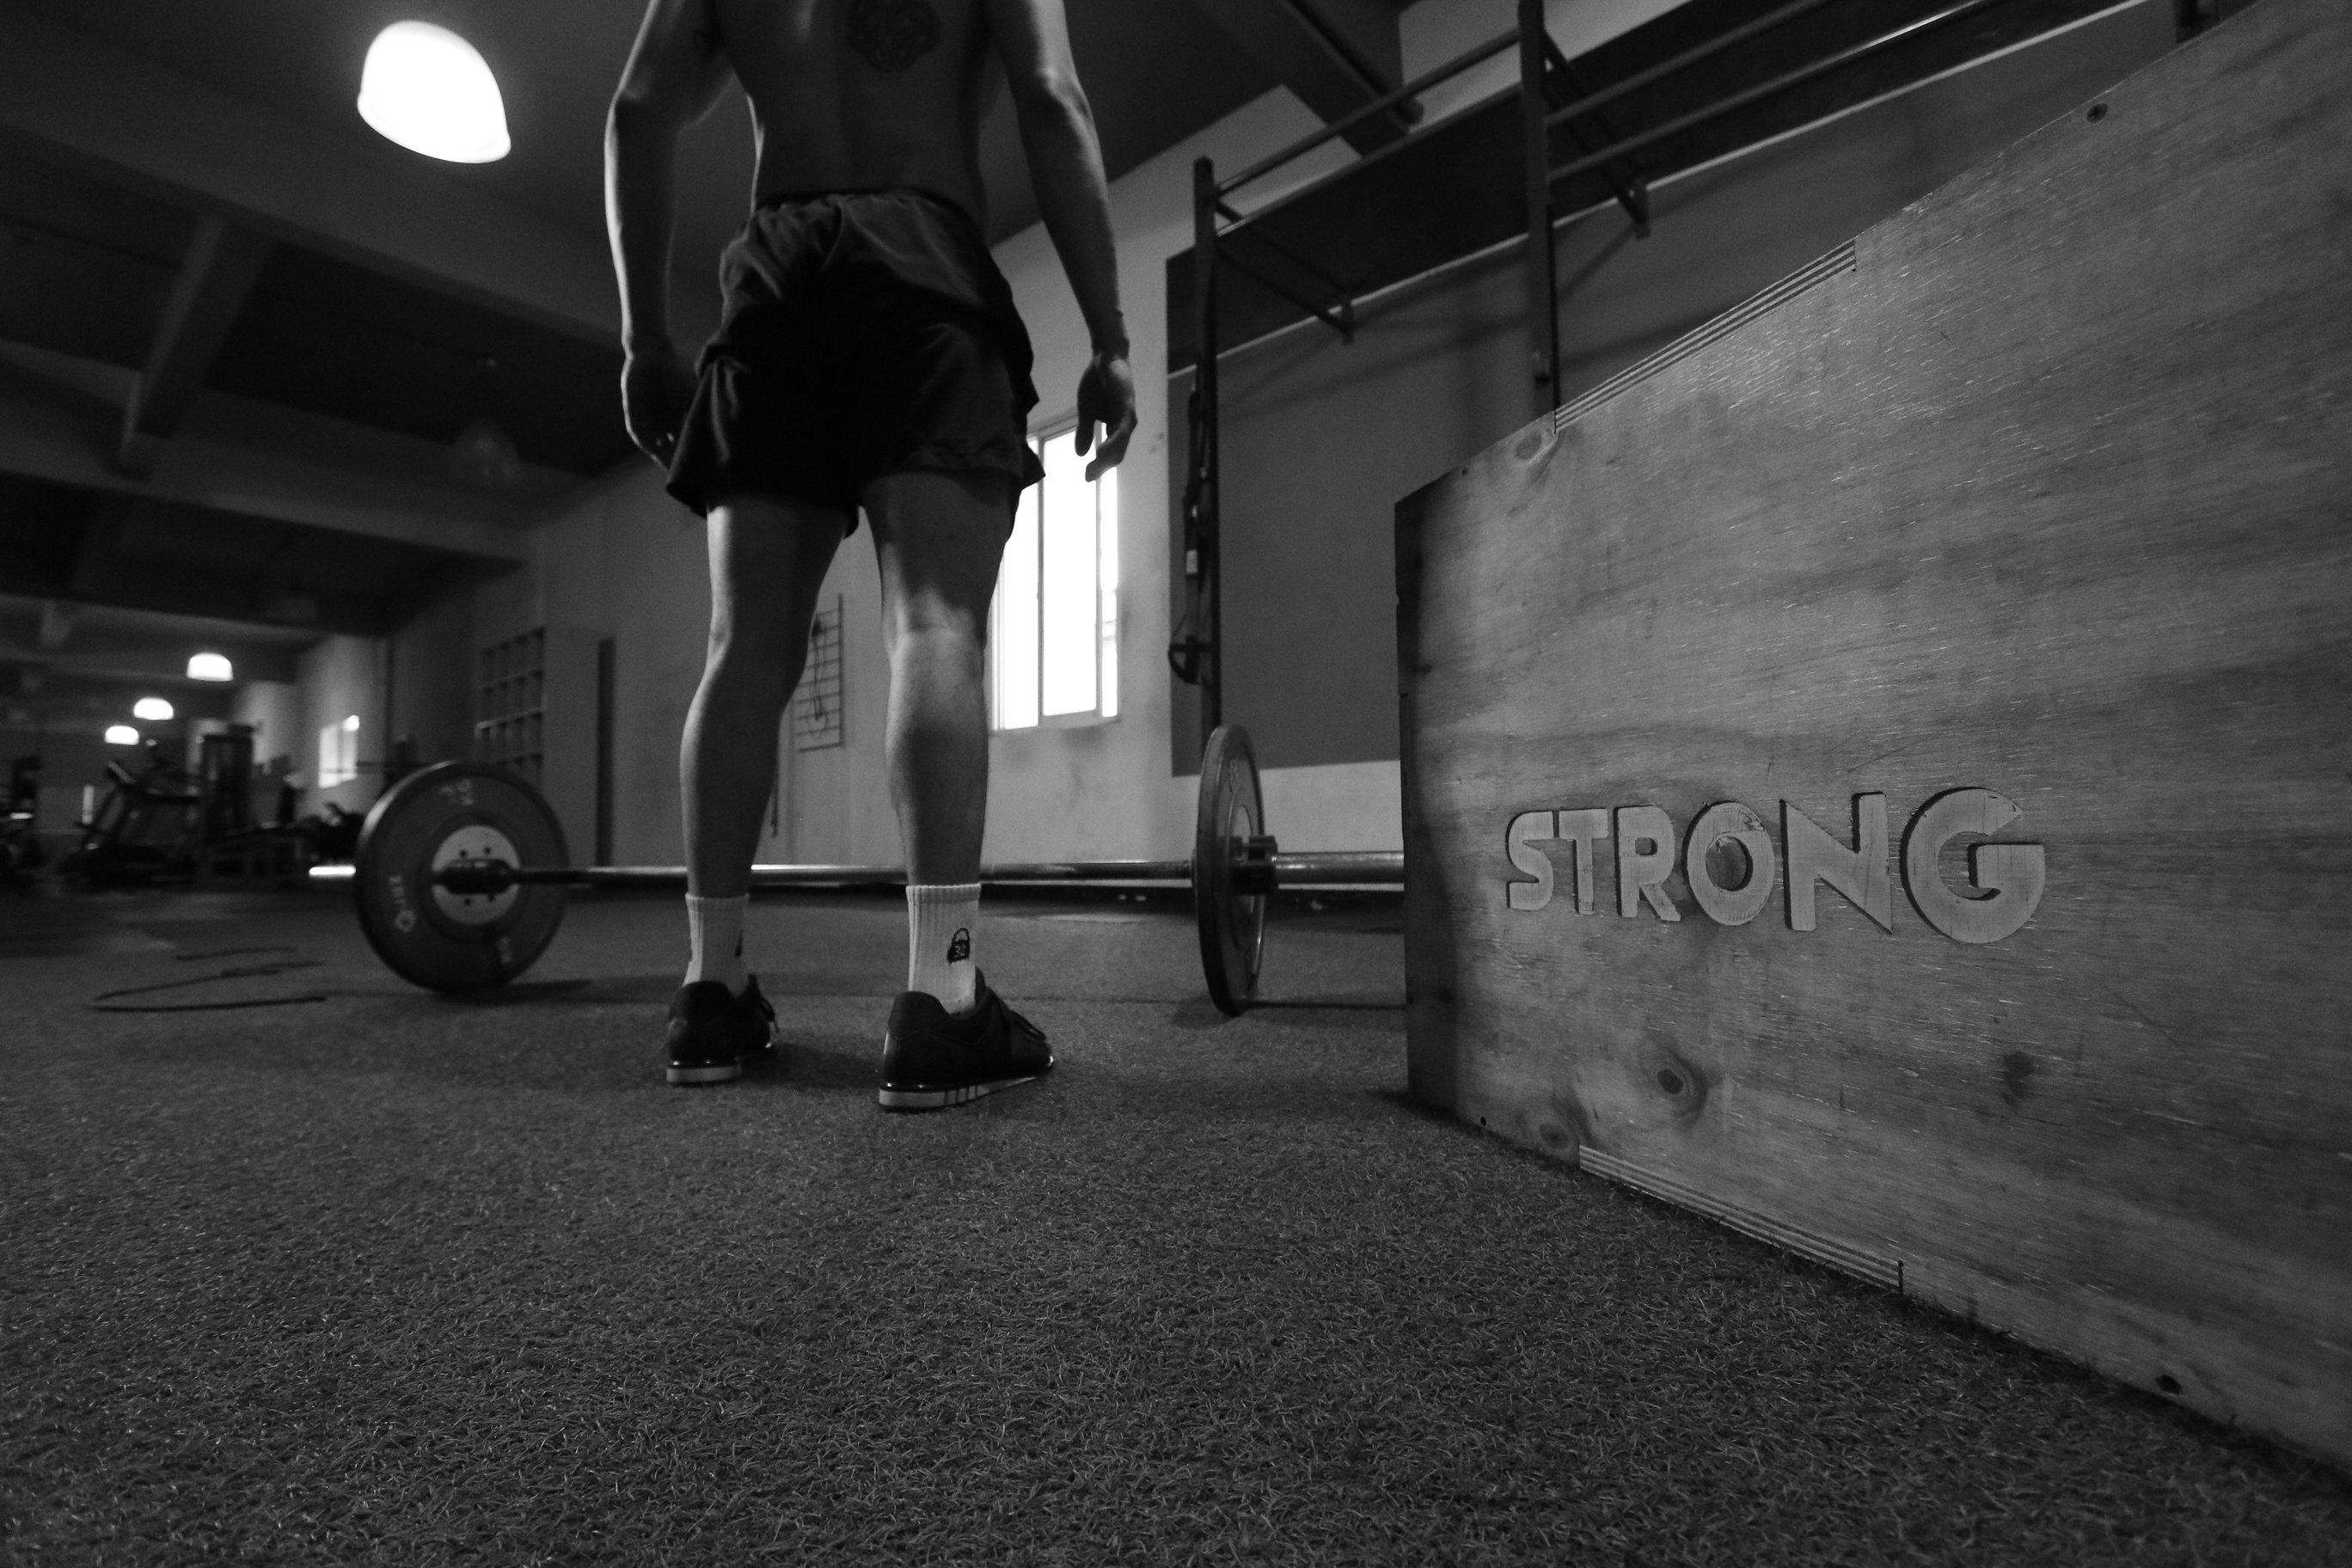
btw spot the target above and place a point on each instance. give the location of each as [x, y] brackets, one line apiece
[1337, 55]
[152, 643]
[153, 666]
[57, 619]
[100, 539]
[48, 442]
[223, 263]
[73, 100]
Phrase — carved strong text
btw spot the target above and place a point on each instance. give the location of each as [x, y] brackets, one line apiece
[1729, 863]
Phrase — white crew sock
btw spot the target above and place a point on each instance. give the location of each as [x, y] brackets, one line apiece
[715, 927]
[939, 924]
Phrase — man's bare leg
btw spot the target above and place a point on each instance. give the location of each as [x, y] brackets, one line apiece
[939, 538]
[768, 560]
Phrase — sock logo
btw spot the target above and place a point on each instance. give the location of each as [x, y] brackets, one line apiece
[959, 945]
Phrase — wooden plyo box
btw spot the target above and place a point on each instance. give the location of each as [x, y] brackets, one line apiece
[1995, 575]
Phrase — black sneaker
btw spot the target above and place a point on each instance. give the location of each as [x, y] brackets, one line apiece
[931, 1058]
[714, 1034]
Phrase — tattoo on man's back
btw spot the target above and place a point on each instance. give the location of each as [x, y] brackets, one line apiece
[893, 33]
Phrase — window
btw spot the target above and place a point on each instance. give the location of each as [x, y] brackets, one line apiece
[339, 752]
[1053, 630]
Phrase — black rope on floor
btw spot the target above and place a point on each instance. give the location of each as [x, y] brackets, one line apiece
[99, 1003]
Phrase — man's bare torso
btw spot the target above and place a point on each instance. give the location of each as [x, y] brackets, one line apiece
[864, 94]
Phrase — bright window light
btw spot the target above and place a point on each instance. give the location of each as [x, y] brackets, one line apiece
[430, 90]
[210, 667]
[1053, 625]
[339, 752]
[1012, 625]
[120, 735]
[152, 708]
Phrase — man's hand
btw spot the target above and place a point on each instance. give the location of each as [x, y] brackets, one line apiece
[1105, 397]
[656, 385]
[676, 72]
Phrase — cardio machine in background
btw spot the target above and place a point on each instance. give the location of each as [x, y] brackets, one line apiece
[164, 823]
[147, 830]
[20, 839]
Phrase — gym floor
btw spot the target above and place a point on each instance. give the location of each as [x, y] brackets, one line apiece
[348, 1271]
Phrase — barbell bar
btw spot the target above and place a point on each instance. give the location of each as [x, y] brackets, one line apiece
[1251, 875]
[461, 867]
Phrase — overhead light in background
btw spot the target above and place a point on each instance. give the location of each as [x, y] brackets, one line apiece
[151, 708]
[487, 456]
[122, 735]
[430, 90]
[210, 667]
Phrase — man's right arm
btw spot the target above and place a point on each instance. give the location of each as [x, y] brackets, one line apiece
[1057, 132]
[675, 74]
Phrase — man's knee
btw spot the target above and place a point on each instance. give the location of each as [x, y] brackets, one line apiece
[758, 658]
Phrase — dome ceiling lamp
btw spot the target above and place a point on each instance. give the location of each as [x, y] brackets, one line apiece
[431, 91]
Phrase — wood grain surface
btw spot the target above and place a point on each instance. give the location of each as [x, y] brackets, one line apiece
[2031, 515]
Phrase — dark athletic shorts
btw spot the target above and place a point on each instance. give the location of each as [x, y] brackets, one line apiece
[863, 334]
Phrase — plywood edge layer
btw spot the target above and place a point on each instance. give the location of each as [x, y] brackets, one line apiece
[1810, 275]
[1837, 1254]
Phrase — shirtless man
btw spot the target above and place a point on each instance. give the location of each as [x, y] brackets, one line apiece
[869, 355]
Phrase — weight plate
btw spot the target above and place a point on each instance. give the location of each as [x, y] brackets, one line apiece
[1232, 924]
[434, 817]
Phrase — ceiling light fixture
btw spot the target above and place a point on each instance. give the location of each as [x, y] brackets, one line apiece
[430, 90]
[486, 456]
[151, 708]
[210, 667]
[122, 735]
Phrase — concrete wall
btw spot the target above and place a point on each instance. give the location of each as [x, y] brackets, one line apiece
[340, 676]
[415, 683]
[275, 710]
[433, 682]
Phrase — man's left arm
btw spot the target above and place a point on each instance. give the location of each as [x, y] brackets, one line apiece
[1066, 169]
[675, 74]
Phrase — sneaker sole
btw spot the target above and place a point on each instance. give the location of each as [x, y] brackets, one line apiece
[726, 1072]
[940, 1099]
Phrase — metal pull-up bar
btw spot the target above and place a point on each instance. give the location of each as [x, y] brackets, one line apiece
[1338, 128]
[1195, 653]
[1781, 83]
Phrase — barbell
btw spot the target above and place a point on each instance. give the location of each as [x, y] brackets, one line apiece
[461, 869]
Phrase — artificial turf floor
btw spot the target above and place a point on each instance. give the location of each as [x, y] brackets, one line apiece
[387, 1277]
